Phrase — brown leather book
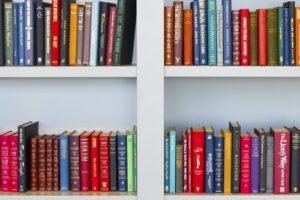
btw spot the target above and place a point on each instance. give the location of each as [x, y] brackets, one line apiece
[80, 21]
[169, 35]
[178, 32]
[87, 33]
[33, 164]
[188, 37]
[42, 163]
[75, 161]
[49, 161]
[55, 163]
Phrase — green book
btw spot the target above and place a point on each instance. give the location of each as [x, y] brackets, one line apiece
[130, 162]
[134, 159]
[8, 27]
[253, 39]
[272, 20]
[280, 36]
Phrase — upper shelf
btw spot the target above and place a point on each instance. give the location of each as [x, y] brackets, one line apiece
[232, 71]
[68, 72]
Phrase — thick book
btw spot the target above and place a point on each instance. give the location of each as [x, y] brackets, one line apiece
[85, 162]
[48, 36]
[29, 32]
[269, 163]
[280, 25]
[95, 22]
[219, 33]
[21, 34]
[262, 158]
[55, 25]
[87, 33]
[122, 161]
[255, 150]
[33, 163]
[80, 24]
[235, 129]
[188, 46]
[13, 163]
[130, 161]
[15, 34]
[212, 31]
[262, 37]
[49, 163]
[73, 34]
[8, 33]
[39, 33]
[55, 163]
[190, 154]
[95, 178]
[282, 145]
[272, 19]
[253, 39]
[104, 161]
[41, 164]
[111, 35]
[198, 166]
[295, 160]
[125, 32]
[113, 178]
[209, 160]
[5, 158]
[286, 20]
[179, 152]
[172, 160]
[297, 37]
[236, 38]
[219, 162]
[184, 162]
[166, 164]
[291, 6]
[196, 39]
[64, 161]
[245, 180]
[2, 35]
[227, 29]
[74, 161]
[25, 132]
[203, 32]
[178, 33]
[227, 160]
[245, 37]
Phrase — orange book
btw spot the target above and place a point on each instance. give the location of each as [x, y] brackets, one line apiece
[73, 34]
[262, 37]
[297, 16]
[227, 160]
[188, 37]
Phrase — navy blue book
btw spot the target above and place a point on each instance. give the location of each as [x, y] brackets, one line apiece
[286, 22]
[195, 8]
[21, 34]
[219, 162]
[227, 33]
[203, 32]
[122, 161]
[209, 160]
[64, 161]
[15, 34]
[166, 164]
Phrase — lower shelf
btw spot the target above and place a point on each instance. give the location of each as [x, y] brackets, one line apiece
[232, 197]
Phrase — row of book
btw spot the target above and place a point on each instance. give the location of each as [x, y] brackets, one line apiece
[71, 161]
[65, 33]
[211, 33]
[204, 161]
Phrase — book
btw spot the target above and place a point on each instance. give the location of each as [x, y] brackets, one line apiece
[113, 161]
[74, 152]
[262, 158]
[104, 161]
[8, 33]
[253, 39]
[297, 33]
[198, 160]
[125, 31]
[245, 180]
[227, 27]
[212, 31]
[255, 151]
[280, 25]
[135, 180]
[272, 20]
[85, 162]
[269, 162]
[188, 37]
[219, 33]
[196, 41]
[2, 34]
[111, 35]
[49, 162]
[48, 37]
[209, 160]
[286, 36]
[245, 37]
[203, 32]
[235, 129]
[184, 163]
[41, 164]
[21, 34]
[169, 35]
[227, 160]
[87, 33]
[95, 157]
[33, 163]
[179, 152]
[178, 33]
[15, 34]
[5, 170]
[13, 163]
[190, 154]
[95, 21]
[166, 163]
[236, 37]
[291, 7]
[73, 34]
[64, 161]
[79, 43]
[262, 37]
[295, 160]
[122, 161]
[55, 25]
[172, 160]
[29, 33]
[282, 144]
[55, 163]
[130, 162]
[39, 21]
[219, 162]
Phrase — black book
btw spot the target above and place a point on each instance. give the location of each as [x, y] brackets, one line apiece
[2, 56]
[64, 30]
[295, 160]
[235, 129]
[262, 166]
[113, 161]
[40, 33]
[125, 31]
[291, 6]
[25, 132]
[104, 13]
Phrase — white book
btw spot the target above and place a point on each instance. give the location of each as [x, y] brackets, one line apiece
[219, 33]
[94, 32]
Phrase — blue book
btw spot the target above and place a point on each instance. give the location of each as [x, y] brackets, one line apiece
[280, 36]
[95, 32]
[64, 161]
[209, 160]
[286, 18]
[195, 8]
[122, 161]
[15, 34]
[227, 33]
[172, 160]
[212, 31]
[21, 34]
[166, 163]
[219, 162]
[203, 32]
[29, 32]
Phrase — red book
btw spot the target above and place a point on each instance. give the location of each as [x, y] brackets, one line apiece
[245, 163]
[185, 162]
[198, 160]
[4, 139]
[95, 161]
[55, 32]
[281, 160]
[262, 37]
[245, 37]
[104, 162]
[13, 163]
[85, 167]
[111, 35]
[189, 153]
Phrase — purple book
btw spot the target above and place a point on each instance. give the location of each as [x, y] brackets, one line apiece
[254, 163]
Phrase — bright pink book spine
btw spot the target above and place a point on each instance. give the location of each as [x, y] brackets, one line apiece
[111, 35]
[190, 152]
[4, 163]
[185, 162]
[245, 164]
[85, 167]
[13, 163]
[245, 37]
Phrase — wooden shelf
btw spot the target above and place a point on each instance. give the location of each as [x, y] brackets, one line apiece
[232, 197]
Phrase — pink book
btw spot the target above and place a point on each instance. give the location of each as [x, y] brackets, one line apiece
[111, 35]
[245, 163]
[13, 163]
[4, 145]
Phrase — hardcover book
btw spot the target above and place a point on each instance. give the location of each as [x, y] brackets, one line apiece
[166, 164]
[272, 37]
[297, 33]
[196, 41]
[295, 160]
[235, 129]
[13, 163]
[64, 161]
[188, 37]
[255, 150]
[212, 31]
[262, 37]
[219, 33]
[135, 159]
[236, 38]
[33, 164]
[41, 151]
[245, 163]
[253, 39]
[55, 25]
[74, 161]
[95, 174]
[110, 35]
[2, 35]
[85, 162]
[113, 161]
[130, 162]
[262, 158]
[55, 163]
[5, 170]
[190, 154]
[73, 34]
[87, 33]
[8, 33]
[21, 34]
[280, 25]
[269, 163]
[104, 161]
[227, 28]
[15, 34]
[185, 162]
[122, 161]
[209, 160]
[39, 33]
[286, 20]
[172, 160]
[227, 160]
[49, 162]
[219, 162]
[245, 37]
[48, 37]
[291, 7]
[79, 45]
[94, 32]
[29, 32]
[179, 152]
[203, 32]
[178, 32]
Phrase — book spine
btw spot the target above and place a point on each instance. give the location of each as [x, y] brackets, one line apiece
[212, 31]
[94, 32]
[272, 37]
[55, 24]
[179, 152]
[104, 163]
[103, 32]
[219, 33]
[292, 43]
[236, 38]
[29, 32]
[282, 146]
[185, 163]
[135, 159]
[113, 162]
[286, 37]
[21, 34]
[33, 164]
[73, 34]
[22, 170]
[166, 164]
[190, 166]
[41, 164]
[129, 163]
[122, 162]
[245, 37]
[280, 25]
[195, 7]
[297, 33]
[95, 162]
[295, 162]
[15, 34]
[8, 26]
[235, 187]
[64, 156]
[227, 28]
[55, 164]
[245, 164]
[13, 163]
[203, 32]
[255, 150]
[188, 37]
[227, 162]
[172, 161]
[253, 39]
[209, 163]
[262, 38]
[39, 33]
[79, 46]
[269, 164]
[198, 142]
[111, 35]
[49, 164]
[74, 164]
[219, 164]
[262, 164]
[48, 36]
[2, 35]
[5, 163]
[87, 33]
[178, 32]
[84, 145]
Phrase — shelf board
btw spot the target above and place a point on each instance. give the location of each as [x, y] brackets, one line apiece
[68, 72]
[232, 72]
[232, 197]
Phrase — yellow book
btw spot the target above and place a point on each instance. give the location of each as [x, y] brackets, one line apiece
[73, 34]
[227, 160]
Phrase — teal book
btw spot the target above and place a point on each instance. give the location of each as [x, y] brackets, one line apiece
[280, 36]
[212, 31]
[172, 161]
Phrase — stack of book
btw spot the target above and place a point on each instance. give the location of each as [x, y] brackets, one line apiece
[72, 161]
[65, 33]
[211, 33]
[229, 161]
